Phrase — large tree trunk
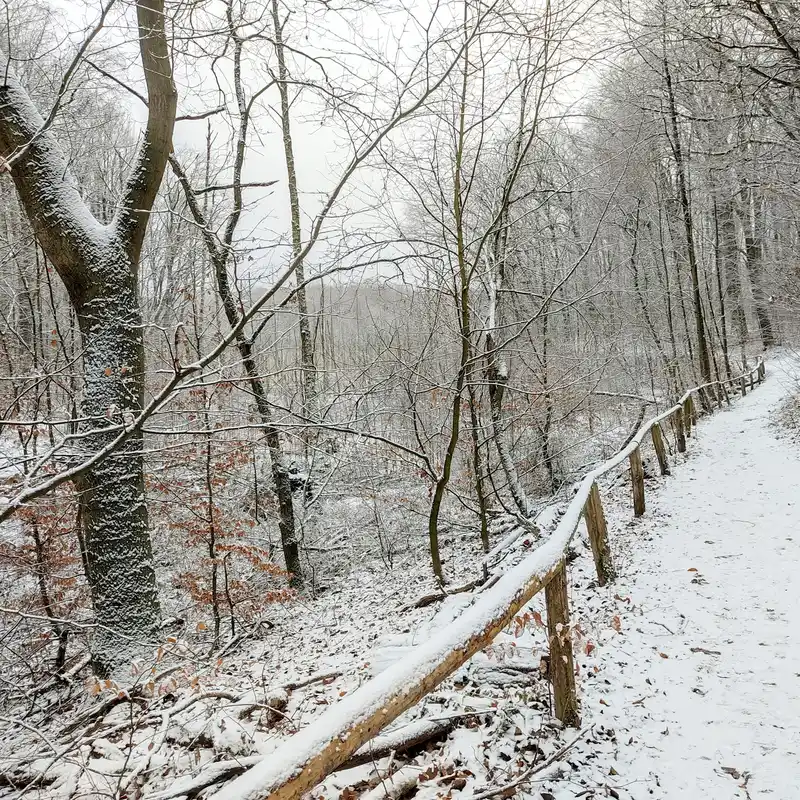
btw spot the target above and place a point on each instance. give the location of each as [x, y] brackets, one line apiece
[118, 554]
[99, 267]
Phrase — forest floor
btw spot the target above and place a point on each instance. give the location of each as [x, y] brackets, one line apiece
[688, 670]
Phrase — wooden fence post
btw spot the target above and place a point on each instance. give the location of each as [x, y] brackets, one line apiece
[751, 381]
[598, 536]
[562, 668]
[687, 417]
[661, 451]
[637, 482]
[743, 385]
[680, 435]
[725, 392]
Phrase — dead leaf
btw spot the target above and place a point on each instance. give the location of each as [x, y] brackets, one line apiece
[733, 772]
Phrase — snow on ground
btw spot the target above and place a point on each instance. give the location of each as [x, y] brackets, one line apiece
[702, 687]
[684, 663]
[688, 678]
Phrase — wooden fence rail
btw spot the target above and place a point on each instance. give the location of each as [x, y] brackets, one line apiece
[310, 755]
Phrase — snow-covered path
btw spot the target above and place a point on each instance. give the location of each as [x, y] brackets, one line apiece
[702, 687]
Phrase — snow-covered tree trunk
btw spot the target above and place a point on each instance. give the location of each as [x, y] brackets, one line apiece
[116, 538]
[98, 265]
[753, 259]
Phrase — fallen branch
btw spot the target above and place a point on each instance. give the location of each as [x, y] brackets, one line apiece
[218, 772]
[435, 597]
[315, 678]
[399, 741]
[396, 786]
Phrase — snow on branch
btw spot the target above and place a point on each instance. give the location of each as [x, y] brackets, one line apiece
[48, 191]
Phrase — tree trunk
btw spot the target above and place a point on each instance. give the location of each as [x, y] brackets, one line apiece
[688, 226]
[477, 465]
[721, 263]
[119, 557]
[98, 265]
[307, 360]
[754, 256]
[220, 253]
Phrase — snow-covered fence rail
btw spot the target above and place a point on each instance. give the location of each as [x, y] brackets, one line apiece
[313, 753]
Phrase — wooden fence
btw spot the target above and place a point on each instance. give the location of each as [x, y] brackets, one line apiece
[310, 755]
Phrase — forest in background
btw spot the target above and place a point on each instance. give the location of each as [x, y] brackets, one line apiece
[239, 366]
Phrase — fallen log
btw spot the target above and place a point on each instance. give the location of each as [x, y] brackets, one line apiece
[308, 756]
[400, 741]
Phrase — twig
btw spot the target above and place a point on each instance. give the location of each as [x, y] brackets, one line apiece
[557, 756]
[318, 676]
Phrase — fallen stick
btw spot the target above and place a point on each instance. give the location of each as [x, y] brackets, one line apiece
[705, 652]
[435, 597]
[534, 770]
[317, 676]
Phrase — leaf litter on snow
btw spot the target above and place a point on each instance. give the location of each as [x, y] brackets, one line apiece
[207, 722]
[196, 725]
